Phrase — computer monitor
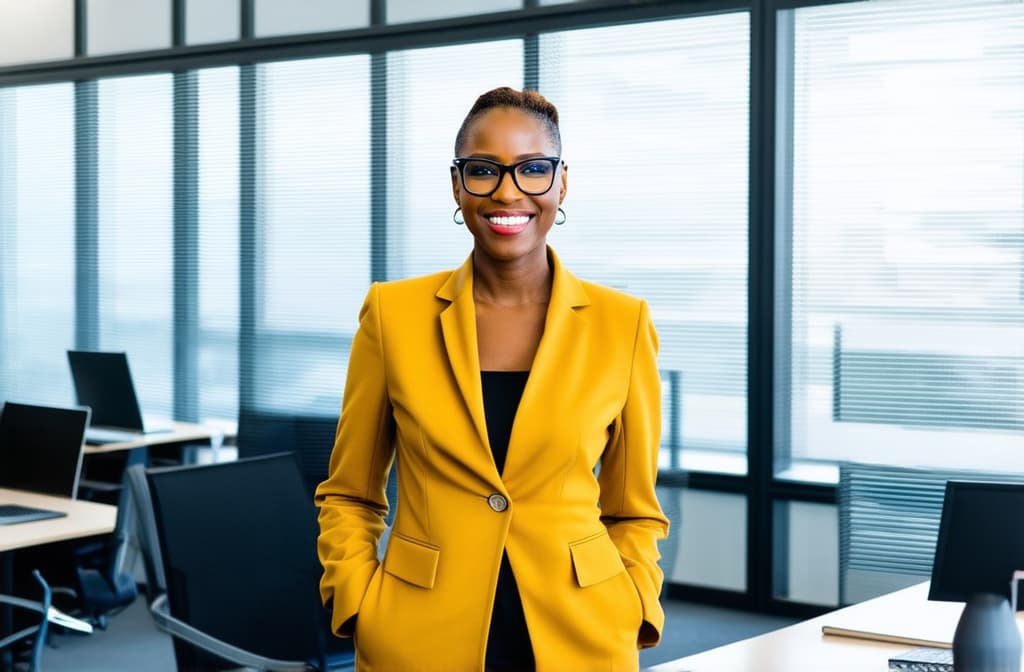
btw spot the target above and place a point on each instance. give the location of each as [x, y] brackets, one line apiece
[41, 448]
[981, 540]
[103, 382]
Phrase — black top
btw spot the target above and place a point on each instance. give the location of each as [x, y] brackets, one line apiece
[508, 643]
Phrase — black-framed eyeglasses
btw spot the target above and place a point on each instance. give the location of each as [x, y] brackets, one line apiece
[533, 177]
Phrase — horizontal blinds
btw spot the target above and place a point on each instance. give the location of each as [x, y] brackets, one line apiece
[907, 277]
[655, 127]
[312, 230]
[217, 256]
[37, 243]
[135, 215]
[889, 523]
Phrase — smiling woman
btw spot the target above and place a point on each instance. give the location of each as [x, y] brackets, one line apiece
[498, 388]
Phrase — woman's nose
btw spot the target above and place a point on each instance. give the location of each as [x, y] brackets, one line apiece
[507, 191]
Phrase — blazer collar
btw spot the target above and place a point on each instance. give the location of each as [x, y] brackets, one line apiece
[458, 325]
[566, 289]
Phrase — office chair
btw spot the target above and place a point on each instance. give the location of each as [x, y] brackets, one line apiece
[236, 543]
[38, 632]
[311, 438]
[147, 538]
[103, 583]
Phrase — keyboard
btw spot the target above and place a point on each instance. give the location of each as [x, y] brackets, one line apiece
[923, 659]
[99, 436]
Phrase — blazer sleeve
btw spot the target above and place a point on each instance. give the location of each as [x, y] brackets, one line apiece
[629, 470]
[352, 501]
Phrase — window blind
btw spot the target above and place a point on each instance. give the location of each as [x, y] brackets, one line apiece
[312, 228]
[135, 231]
[37, 243]
[906, 284]
[217, 108]
[655, 127]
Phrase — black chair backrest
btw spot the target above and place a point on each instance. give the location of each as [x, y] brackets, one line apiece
[311, 438]
[238, 543]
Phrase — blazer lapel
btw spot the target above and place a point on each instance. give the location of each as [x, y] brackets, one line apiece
[558, 347]
[458, 325]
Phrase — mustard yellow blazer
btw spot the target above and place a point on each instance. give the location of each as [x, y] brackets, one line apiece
[574, 508]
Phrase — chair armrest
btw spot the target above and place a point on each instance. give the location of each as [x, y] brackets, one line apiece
[177, 628]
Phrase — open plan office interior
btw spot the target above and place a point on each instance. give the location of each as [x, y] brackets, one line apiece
[822, 202]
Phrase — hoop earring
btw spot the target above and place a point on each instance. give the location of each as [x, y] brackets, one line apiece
[457, 217]
[560, 217]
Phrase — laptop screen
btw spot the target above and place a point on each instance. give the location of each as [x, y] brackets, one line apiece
[103, 382]
[981, 540]
[41, 448]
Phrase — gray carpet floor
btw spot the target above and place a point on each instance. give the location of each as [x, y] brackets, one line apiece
[133, 644]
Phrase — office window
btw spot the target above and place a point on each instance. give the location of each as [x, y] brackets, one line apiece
[118, 26]
[37, 243]
[313, 229]
[42, 30]
[218, 242]
[136, 244]
[708, 543]
[404, 11]
[655, 131]
[806, 552]
[212, 21]
[900, 274]
[429, 93]
[287, 17]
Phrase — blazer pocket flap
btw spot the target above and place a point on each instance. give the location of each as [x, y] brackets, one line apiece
[595, 559]
[411, 561]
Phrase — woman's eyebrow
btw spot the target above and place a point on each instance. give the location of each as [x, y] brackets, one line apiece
[493, 157]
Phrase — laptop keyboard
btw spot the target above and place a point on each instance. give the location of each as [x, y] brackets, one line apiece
[101, 436]
[8, 510]
[923, 659]
[16, 513]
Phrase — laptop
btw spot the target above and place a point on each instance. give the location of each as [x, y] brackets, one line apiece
[980, 546]
[40, 451]
[103, 382]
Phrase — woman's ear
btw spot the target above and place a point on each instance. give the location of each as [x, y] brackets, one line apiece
[455, 184]
[565, 178]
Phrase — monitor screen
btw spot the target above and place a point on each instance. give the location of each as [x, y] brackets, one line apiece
[103, 382]
[981, 540]
[41, 448]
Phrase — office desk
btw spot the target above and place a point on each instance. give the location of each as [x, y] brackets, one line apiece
[802, 647]
[84, 519]
[181, 432]
[104, 464]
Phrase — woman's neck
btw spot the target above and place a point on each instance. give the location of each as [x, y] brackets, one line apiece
[520, 282]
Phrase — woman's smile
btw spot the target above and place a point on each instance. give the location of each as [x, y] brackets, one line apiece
[508, 223]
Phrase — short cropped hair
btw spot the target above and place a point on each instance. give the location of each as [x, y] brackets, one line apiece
[530, 102]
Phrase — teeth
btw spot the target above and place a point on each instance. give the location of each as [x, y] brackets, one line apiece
[509, 221]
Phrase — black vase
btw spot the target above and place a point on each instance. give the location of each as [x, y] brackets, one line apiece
[987, 639]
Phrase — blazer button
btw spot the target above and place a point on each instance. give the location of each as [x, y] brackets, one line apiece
[497, 502]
